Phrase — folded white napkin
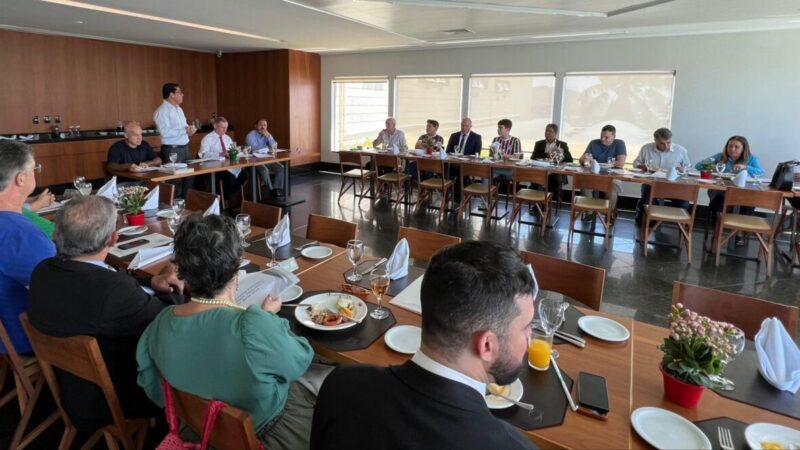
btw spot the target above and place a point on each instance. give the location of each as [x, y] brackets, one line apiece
[395, 149]
[595, 166]
[151, 200]
[397, 265]
[535, 290]
[778, 356]
[740, 179]
[409, 298]
[284, 229]
[213, 209]
[109, 189]
[442, 154]
[672, 175]
[148, 256]
[540, 163]
[419, 151]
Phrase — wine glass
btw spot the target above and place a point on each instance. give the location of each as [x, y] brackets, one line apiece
[611, 162]
[720, 168]
[172, 158]
[243, 225]
[379, 282]
[559, 156]
[77, 181]
[457, 149]
[551, 315]
[178, 205]
[650, 165]
[734, 341]
[85, 188]
[273, 240]
[173, 223]
[355, 250]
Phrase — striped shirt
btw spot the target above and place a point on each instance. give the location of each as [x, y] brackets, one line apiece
[508, 146]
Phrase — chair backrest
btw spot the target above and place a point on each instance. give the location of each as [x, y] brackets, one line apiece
[423, 244]
[529, 175]
[261, 215]
[435, 166]
[13, 358]
[771, 200]
[166, 193]
[349, 159]
[601, 183]
[575, 280]
[391, 161]
[232, 430]
[330, 230]
[480, 170]
[745, 312]
[199, 200]
[677, 191]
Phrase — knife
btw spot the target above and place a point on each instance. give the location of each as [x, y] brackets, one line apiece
[572, 404]
[374, 266]
[571, 338]
[307, 244]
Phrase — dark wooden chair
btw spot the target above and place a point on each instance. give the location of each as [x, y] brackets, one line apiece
[394, 178]
[575, 280]
[200, 201]
[166, 193]
[423, 244]
[588, 204]
[351, 169]
[540, 198]
[680, 217]
[437, 183]
[261, 215]
[232, 430]
[745, 312]
[476, 173]
[330, 230]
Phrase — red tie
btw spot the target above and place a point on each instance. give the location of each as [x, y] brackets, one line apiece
[221, 147]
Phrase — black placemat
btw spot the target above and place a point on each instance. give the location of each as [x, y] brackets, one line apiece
[354, 338]
[709, 428]
[544, 391]
[250, 268]
[285, 252]
[396, 286]
[753, 389]
[570, 325]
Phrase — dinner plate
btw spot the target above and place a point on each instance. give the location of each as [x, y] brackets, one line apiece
[133, 231]
[175, 165]
[666, 430]
[330, 299]
[404, 339]
[316, 252]
[244, 262]
[293, 292]
[495, 402]
[757, 433]
[604, 329]
[165, 213]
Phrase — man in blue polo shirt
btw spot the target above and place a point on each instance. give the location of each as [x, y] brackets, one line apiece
[24, 245]
[132, 153]
[606, 149]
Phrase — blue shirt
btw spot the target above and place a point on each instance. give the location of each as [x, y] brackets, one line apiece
[257, 141]
[601, 152]
[753, 165]
[24, 246]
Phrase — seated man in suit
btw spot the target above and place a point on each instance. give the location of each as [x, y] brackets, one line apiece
[545, 148]
[476, 314]
[465, 142]
[76, 293]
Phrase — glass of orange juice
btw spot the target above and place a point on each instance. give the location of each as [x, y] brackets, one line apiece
[539, 348]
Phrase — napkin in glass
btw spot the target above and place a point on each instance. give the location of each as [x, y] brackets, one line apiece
[148, 256]
[778, 356]
[740, 179]
[284, 228]
[397, 265]
[151, 200]
[109, 189]
[595, 166]
[213, 209]
[672, 174]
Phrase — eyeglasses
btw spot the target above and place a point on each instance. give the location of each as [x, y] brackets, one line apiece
[37, 168]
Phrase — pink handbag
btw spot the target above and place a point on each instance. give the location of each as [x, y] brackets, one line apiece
[173, 440]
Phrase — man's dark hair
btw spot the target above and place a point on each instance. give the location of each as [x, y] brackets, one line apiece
[504, 123]
[662, 134]
[207, 252]
[552, 126]
[471, 287]
[610, 128]
[168, 88]
[435, 123]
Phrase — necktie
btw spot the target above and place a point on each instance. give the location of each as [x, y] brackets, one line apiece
[461, 142]
[221, 146]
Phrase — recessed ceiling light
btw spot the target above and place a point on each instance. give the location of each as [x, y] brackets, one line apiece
[79, 22]
[123, 12]
[470, 41]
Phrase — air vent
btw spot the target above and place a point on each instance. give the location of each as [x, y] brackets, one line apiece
[457, 32]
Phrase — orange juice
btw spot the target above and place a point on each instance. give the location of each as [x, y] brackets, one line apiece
[539, 352]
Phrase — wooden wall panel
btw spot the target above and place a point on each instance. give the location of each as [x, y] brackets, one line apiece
[304, 106]
[23, 81]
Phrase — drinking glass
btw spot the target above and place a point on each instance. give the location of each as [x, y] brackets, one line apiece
[243, 225]
[273, 240]
[85, 188]
[457, 150]
[650, 165]
[355, 250]
[551, 315]
[379, 281]
[559, 156]
[77, 182]
[173, 157]
[173, 223]
[540, 345]
[735, 341]
[611, 162]
[720, 168]
[177, 206]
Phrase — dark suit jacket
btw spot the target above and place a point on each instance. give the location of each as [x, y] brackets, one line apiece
[473, 146]
[72, 298]
[538, 150]
[405, 407]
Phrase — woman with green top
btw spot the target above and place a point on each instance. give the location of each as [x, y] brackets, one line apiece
[736, 157]
[215, 349]
[35, 203]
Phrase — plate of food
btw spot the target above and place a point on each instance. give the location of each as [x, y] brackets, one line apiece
[133, 230]
[769, 436]
[513, 391]
[331, 311]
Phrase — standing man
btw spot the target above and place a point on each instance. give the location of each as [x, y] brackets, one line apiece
[175, 131]
[24, 245]
[661, 153]
[545, 148]
[391, 137]
[216, 144]
[608, 147]
[260, 138]
[466, 141]
[131, 154]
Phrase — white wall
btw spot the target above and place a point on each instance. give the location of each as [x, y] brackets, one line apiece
[726, 84]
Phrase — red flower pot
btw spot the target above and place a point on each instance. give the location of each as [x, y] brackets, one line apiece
[705, 174]
[429, 150]
[679, 392]
[135, 219]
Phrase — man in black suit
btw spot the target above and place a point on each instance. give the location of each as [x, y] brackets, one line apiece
[75, 293]
[476, 313]
[468, 143]
[544, 148]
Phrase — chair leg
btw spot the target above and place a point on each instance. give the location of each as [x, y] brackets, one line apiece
[67, 438]
[545, 219]
[645, 233]
[718, 243]
[27, 410]
[607, 226]
[571, 225]
[689, 244]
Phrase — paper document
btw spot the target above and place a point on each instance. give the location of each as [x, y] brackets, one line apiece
[123, 249]
[55, 206]
[255, 287]
[148, 256]
[409, 298]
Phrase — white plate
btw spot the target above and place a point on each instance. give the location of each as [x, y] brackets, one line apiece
[404, 339]
[293, 292]
[604, 329]
[495, 402]
[316, 252]
[133, 231]
[244, 262]
[301, 314]
[759, 432]
[666, 430]
[176, 165]
[165, 213]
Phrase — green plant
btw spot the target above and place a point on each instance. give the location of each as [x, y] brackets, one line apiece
[132, 198]
[233, 152]
[707, 167]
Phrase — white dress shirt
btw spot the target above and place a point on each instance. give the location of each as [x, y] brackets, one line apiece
[424, 361]
[210, 147]
[398, 139]
[171, 123]
[676, 155]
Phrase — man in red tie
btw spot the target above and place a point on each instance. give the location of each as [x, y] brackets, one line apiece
[216, 145]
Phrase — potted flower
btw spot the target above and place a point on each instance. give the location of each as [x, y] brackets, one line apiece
[706, 170]
[429, 143]
[131, 199]
[694, 355]
[233, 152]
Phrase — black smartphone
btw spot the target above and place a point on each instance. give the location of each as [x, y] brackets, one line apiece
[593, 393]
[133, 244]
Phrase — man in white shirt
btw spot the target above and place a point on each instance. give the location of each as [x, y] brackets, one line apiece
[260, 138]
[216, 145]
[391, 137]
[174, 131]
[660, 154]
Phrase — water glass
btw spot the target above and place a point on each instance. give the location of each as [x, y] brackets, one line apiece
[540, 345]
[173, 157]
[720, 168]
[611, 162]
[273, 240]
[85, 188]
[379, 282]
[77, 182]
[355, 250]
[173, 223]
[243, 225]
[551, 315]
[178, 205]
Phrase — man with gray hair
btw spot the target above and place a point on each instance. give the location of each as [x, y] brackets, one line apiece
[391, 137]
[660, 154]
[24, 245]
[76, 293]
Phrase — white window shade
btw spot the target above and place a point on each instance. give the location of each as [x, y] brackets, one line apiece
[360, 107]
[418, 99]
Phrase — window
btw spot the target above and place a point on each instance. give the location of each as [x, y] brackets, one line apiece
[360, 108]
[418, 99]
[635, 103]
[525, 99]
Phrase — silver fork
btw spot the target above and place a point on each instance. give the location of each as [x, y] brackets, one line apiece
[725, 439]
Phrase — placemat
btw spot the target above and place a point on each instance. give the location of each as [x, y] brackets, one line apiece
[250, 268]
[544, 391]
[753, 389]
[709, 428]
[396, 286]
[285, 252]
[570, 325]
[354, 338]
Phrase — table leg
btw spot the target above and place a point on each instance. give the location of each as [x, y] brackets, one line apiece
[213, 183]
[254, 182]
